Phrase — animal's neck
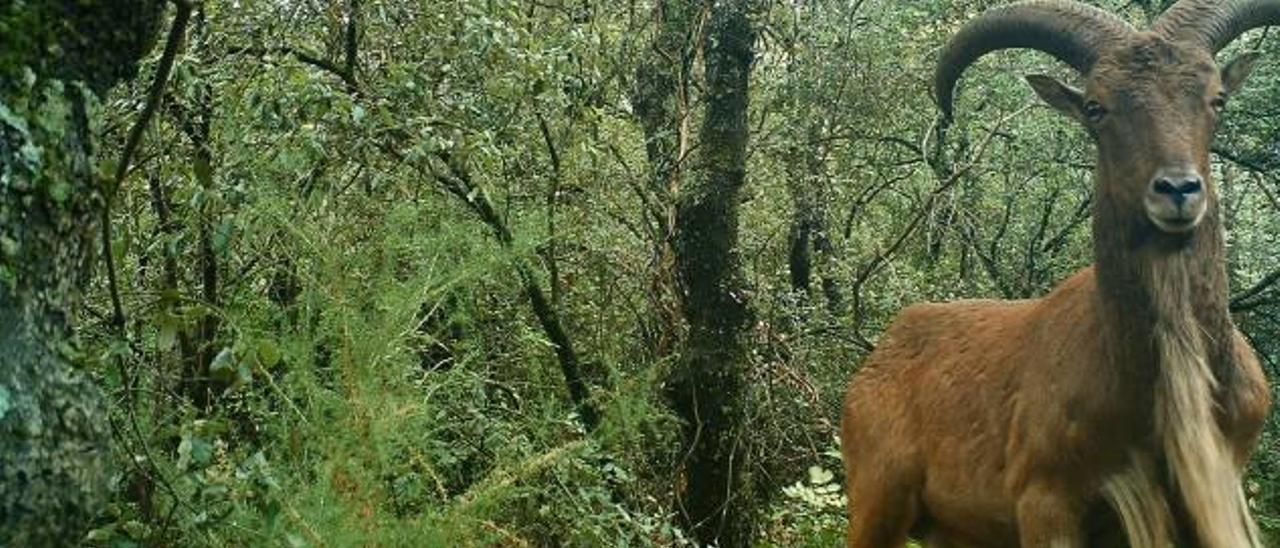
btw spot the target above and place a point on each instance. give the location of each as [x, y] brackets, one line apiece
[1165, 299]
[1151, 279]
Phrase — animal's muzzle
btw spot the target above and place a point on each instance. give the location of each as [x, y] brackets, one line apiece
[1176, 199]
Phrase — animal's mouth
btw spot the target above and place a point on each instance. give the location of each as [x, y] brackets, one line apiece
[1176, 225]
[1175, 216]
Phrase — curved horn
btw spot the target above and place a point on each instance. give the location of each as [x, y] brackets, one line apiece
[1212, 24]
[1074, 33]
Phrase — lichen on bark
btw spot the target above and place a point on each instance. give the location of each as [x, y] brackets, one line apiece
[53, 439]
[56, 58]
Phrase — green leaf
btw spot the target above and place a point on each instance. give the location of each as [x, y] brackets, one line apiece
[294, 541]
[223, 368]
[101, 534]
[166, 331]
[136, 529]
[268, 353]
[194, 451]
[222, 236]
[201, 452]
[244, 374]
[59, 191]
[204, 173]
[6, 402]
[9, 247]
[119, 244]
[30, 154]
[8, 118]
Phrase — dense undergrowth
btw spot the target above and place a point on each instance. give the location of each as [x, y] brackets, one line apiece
[375, 375]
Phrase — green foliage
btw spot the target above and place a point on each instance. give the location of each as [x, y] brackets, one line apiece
[328, 345]
[812, 510]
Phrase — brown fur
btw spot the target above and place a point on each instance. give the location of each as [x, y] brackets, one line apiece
[1126, 396]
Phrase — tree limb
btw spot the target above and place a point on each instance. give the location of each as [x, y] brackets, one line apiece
[1242, 302]
[307, 58]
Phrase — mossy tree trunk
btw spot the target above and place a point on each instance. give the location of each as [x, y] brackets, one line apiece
[717, 503]
[56, 58]
[661, 101]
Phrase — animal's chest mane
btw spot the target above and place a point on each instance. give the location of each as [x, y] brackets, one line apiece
[1169, 306]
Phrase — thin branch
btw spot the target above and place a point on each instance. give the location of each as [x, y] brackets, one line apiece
[177, 33]
[1250, 306]
[989, 259]
[1241, 301]
[1042, 229]
[457, 181]
[348, 77]
[1241, 161]
[352, 40]
[553, 198]
[866, 197]
[156, 94]
[882, 257]
[1267, 191]
[1078, 217]
[872, 266]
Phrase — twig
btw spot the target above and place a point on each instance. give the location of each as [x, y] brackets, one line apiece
[872, 266]
[176, 34]
[881, 258]
[352, 33]
[305, 58]
[345, 72]
[553, 198]
[1241, 161]
[1241, 301]
[456, 180]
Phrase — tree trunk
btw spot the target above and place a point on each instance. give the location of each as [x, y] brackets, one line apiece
[660, 97]
[53, 439]
[718, 501]
[809, 233]
[197, 124]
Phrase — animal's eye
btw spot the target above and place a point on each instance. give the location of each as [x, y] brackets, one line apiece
[1095, 111]
[1218, 103]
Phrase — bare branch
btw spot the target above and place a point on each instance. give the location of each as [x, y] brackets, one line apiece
[156, 94]
[1242, 301]
[883, 256]
[307, 58]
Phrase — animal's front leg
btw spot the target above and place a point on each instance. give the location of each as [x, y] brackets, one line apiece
[1047, 518]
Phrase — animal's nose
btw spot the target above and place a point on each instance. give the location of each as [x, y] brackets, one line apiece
[1179, 189]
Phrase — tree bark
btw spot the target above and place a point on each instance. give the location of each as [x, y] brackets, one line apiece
[809, 234]
[660, 99]
[53, 440]
[707, 390]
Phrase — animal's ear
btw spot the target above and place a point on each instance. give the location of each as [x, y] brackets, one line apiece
[1066, 99]
[1237, 71]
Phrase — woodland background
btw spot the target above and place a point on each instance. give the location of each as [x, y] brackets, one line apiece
[568, 272]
